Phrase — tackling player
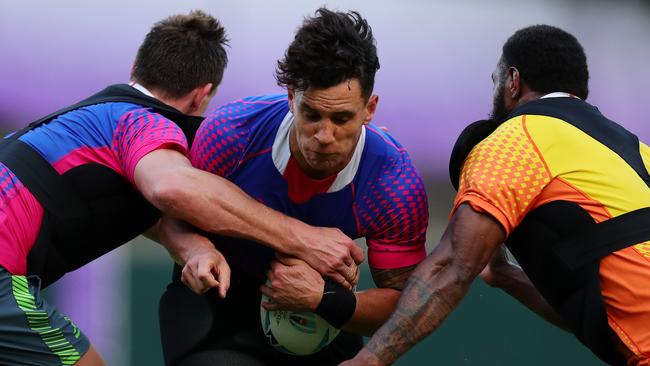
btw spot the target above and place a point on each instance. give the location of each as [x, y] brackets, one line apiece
[84, 180]
[567, 189]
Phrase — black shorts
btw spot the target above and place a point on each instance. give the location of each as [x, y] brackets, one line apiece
[208, 330]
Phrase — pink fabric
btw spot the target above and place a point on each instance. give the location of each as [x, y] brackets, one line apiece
[140, 132]
[398, 259]
[85, 155]
[20, 220]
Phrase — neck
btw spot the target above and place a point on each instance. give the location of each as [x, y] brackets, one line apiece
[176, 103]
[155, 93]
[528, 96]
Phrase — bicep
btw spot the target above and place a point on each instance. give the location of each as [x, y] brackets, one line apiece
[158, 169]
[470, 239]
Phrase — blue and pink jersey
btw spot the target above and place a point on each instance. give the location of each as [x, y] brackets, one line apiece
[116, 135]
[379, 195]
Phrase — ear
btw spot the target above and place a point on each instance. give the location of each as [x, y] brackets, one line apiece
[371, 108]
[200, 96]
[513, 84]
[291, 94]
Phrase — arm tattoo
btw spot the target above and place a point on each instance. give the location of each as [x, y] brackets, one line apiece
[438, 283]
[421, 309]
[392, 278]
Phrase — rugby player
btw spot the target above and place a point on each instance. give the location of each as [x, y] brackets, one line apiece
[567, 189]
[313, 154]
[84, 180]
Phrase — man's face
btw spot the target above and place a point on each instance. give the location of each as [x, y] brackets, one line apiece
[327, 126]
[499, 107]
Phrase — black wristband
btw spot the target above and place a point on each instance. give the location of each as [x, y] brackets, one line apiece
[337, 305]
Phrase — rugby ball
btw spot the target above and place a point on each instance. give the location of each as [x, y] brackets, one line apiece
[296, 333]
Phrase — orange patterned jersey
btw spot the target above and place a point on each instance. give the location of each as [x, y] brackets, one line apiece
[531, 160]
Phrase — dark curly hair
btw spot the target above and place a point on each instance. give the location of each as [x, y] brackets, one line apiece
[548, 59]
[182, 52]
[328, 49]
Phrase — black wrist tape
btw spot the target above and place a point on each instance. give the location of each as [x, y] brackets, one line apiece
[337, 305]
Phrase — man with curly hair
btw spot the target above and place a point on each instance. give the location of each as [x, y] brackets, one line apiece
[567, 189]
[313, 154]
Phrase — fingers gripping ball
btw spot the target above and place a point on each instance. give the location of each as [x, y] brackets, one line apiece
[296, 333]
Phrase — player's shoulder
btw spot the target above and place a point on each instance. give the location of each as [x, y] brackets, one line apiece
[386, 163]
[105, 111]
[382, 147]
[524, 132]
[251, 110]
[253, 104]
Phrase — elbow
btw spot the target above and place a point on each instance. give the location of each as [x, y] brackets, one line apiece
[168, 195]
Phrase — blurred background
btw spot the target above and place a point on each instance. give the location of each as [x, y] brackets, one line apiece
[436, 60]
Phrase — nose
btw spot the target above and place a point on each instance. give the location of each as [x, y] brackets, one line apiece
[325, 133]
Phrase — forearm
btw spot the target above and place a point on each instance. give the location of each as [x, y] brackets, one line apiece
[224, 209]
[215, 205]
[431, 293]
[514, 282]
[374, 306]
[438, 283]
[181, 240]
[203, 265]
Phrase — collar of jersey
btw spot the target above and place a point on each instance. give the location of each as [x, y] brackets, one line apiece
[281, 153]
[141, 89]
[558, 95]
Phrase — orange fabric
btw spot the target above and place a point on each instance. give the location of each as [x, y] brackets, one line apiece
[533, 160]
[503, 175]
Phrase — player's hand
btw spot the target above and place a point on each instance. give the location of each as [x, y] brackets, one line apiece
[206, 269]
[495, 272]
[332, 254]
[292, 285]
[363, 358]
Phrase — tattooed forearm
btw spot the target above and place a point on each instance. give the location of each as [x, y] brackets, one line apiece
[429, 297]
[374, 306]
[439, 282]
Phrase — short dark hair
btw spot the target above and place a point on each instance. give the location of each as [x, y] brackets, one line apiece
[548, 59]
[181, 53]
[328, 49]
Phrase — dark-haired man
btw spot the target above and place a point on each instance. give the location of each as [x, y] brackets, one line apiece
[84, 180]
[567, 190]
[312, 154]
